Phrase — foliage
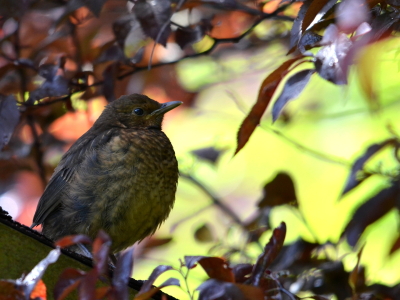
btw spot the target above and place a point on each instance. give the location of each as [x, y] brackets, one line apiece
[85, 50]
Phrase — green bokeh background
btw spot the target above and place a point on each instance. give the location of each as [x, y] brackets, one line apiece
[334, 121]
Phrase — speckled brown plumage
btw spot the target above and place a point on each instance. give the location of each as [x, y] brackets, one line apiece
[120, 176]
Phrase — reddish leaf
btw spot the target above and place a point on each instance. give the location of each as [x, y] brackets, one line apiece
[122, 273]
[148, 284]
[101, 248]
[68, 281]
[39, 292]
[357, 276]
[370, 211]
[9, 117]
[265, 94]
[250, 292]
[87, 288]
[70, 240]
[395, 246]
[353, 180]
[154, 18]
[315, 12]
[271, 251]
[241, 271]
[9, 290]
[279, 191]
[217, 268]
[292, 89]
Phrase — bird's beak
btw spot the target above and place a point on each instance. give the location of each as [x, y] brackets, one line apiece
[166, 107]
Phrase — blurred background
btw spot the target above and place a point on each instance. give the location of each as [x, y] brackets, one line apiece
[315, 141]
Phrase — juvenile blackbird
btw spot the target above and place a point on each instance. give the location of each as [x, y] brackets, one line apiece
[120, 176]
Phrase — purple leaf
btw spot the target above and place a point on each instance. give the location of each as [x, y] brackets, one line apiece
[293, 87]
[370, 211]
[191, 261]
[122, 273]
[9, 117]
[353, 180]
[68, 281]
[296, 32]
[330, 59]
[154, 18]
[147, 285]
[214, 289]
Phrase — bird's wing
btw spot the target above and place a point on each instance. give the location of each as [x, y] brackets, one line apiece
[65, 172]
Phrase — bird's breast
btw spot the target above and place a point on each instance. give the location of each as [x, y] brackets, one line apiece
[138, 179]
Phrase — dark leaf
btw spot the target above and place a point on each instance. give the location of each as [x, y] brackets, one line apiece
[122, 273]
[148, 284]
[241, 272]
[316, 11]
[70, 240]
[109, 77]
[191, 261]
[395, 246]
[10, 290]
[357, 276]
[154, 242]
[87, 287]
[11, 8]
[329, 61]
[271, 251]
[297, 32]
[154, 18]
[69, 280]
[250, 292]
[189, 35]
[308, 40]
[279, 191]
[111, 52]
[209, 154]
[9, 117]
[353, 180]
[215, 289]
[101, 249]
[37, 272]
[370, 211]
[56, 87]
[121, 29]
[292, 89]
[204, 234]
[265, 94]
[151, 292]
[217, 268]
[94, 6]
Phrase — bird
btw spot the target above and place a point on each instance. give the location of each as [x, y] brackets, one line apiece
[120, 176]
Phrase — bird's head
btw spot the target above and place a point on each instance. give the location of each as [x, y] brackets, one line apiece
[135, 111]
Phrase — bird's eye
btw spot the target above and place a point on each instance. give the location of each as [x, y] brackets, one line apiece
[138, 111]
